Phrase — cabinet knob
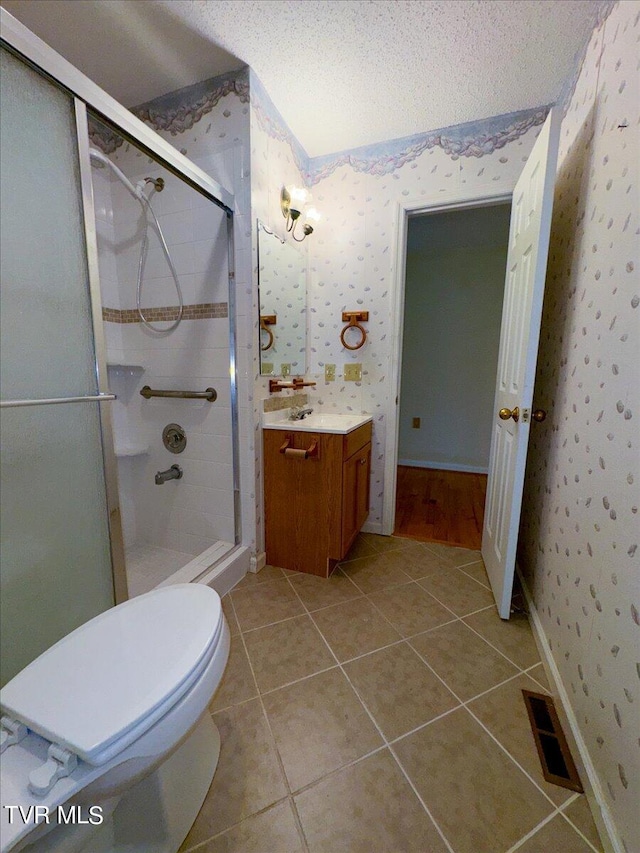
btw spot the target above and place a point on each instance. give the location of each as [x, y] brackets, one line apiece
[363, 461]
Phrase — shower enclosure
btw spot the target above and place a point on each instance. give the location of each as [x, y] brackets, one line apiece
[164, 273]
[85, 520]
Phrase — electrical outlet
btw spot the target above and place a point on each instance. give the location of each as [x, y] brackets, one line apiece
[353, 372]
[329, 373]
[267, 368]
[415, 423]
[285, 369]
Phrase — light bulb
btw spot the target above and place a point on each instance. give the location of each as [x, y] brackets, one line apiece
[298, 196]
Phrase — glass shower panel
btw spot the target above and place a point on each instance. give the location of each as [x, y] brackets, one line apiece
[177, 523]
[56, 563]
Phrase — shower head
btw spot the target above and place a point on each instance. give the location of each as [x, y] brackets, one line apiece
[98, 157]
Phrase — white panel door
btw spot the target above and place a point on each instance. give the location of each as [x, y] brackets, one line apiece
[521, 313]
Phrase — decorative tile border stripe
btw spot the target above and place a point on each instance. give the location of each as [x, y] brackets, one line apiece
[198, 311]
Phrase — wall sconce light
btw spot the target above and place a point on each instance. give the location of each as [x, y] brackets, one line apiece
[292, 205]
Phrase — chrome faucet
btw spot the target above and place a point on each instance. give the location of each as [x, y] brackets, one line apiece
[173, 473]
[299, 413]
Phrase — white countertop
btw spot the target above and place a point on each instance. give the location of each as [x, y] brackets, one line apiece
[315, 422]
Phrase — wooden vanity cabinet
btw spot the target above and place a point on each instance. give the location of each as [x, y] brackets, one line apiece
[314, 506]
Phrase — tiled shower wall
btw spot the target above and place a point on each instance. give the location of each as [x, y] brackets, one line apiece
[579, 537]
[210, 123]
[190, 514]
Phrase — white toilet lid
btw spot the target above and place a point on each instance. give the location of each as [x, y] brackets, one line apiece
[127, 665]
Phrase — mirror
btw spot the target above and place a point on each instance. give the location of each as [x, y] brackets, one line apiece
[282, 274]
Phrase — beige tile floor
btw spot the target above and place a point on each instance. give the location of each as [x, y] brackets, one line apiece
[380, 711]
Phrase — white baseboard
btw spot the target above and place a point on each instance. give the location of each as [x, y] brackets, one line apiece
[588, 775]
[258, 562]
[444, 466]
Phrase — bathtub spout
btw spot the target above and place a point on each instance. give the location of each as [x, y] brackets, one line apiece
[173, 473]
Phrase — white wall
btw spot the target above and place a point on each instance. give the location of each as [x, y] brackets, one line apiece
[454, 286]
[579, 536]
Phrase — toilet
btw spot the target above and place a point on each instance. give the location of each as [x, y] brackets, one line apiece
[106, 741]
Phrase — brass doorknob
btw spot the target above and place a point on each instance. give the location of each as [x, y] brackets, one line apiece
[538, 415]
[505, 414]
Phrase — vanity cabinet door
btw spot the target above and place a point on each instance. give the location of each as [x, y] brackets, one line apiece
[355, 495]
[315, 505]
[302, 512]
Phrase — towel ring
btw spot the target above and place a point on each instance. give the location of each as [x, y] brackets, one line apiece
[267, 320]
[351, 318]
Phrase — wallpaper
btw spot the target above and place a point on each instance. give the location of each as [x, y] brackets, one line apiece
[276, 160]
[580, 528]
[579, 536]
[351, 267]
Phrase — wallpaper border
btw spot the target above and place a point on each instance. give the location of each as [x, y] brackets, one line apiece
[178, 111]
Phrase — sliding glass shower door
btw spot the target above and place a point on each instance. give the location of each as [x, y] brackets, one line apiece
[56, 568]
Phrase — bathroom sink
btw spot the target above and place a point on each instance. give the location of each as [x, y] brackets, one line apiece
[315, 422]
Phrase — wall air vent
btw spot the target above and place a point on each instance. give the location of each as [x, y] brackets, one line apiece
[557, 764]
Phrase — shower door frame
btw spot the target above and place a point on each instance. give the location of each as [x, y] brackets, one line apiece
[24, 44]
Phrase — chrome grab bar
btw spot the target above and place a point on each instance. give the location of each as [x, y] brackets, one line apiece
[52, 401]
[209, 394]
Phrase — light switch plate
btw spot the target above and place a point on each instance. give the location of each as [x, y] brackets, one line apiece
[415, 423]
[353, 372]
[285, 369]
[329, 373]
[267, 368]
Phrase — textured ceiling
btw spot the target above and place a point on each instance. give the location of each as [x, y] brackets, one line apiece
[343, 73]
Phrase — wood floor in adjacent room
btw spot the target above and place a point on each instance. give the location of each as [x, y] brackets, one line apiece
[440, 506]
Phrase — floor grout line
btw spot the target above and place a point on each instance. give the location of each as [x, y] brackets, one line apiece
[495, 648]
[532, 832]
[285, 779]
[201, 844]
[507, 753]
[465, 704]
[269, 624]
[558, 812]
[351, 763]
[381, 734]
[462, 569]
[389, 744]
[562, 811]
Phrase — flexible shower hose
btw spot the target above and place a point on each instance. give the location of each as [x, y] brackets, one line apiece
[146, 207]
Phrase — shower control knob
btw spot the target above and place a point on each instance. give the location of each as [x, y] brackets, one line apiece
[174, 438]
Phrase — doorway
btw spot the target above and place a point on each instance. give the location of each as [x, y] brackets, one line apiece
[454, 284]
